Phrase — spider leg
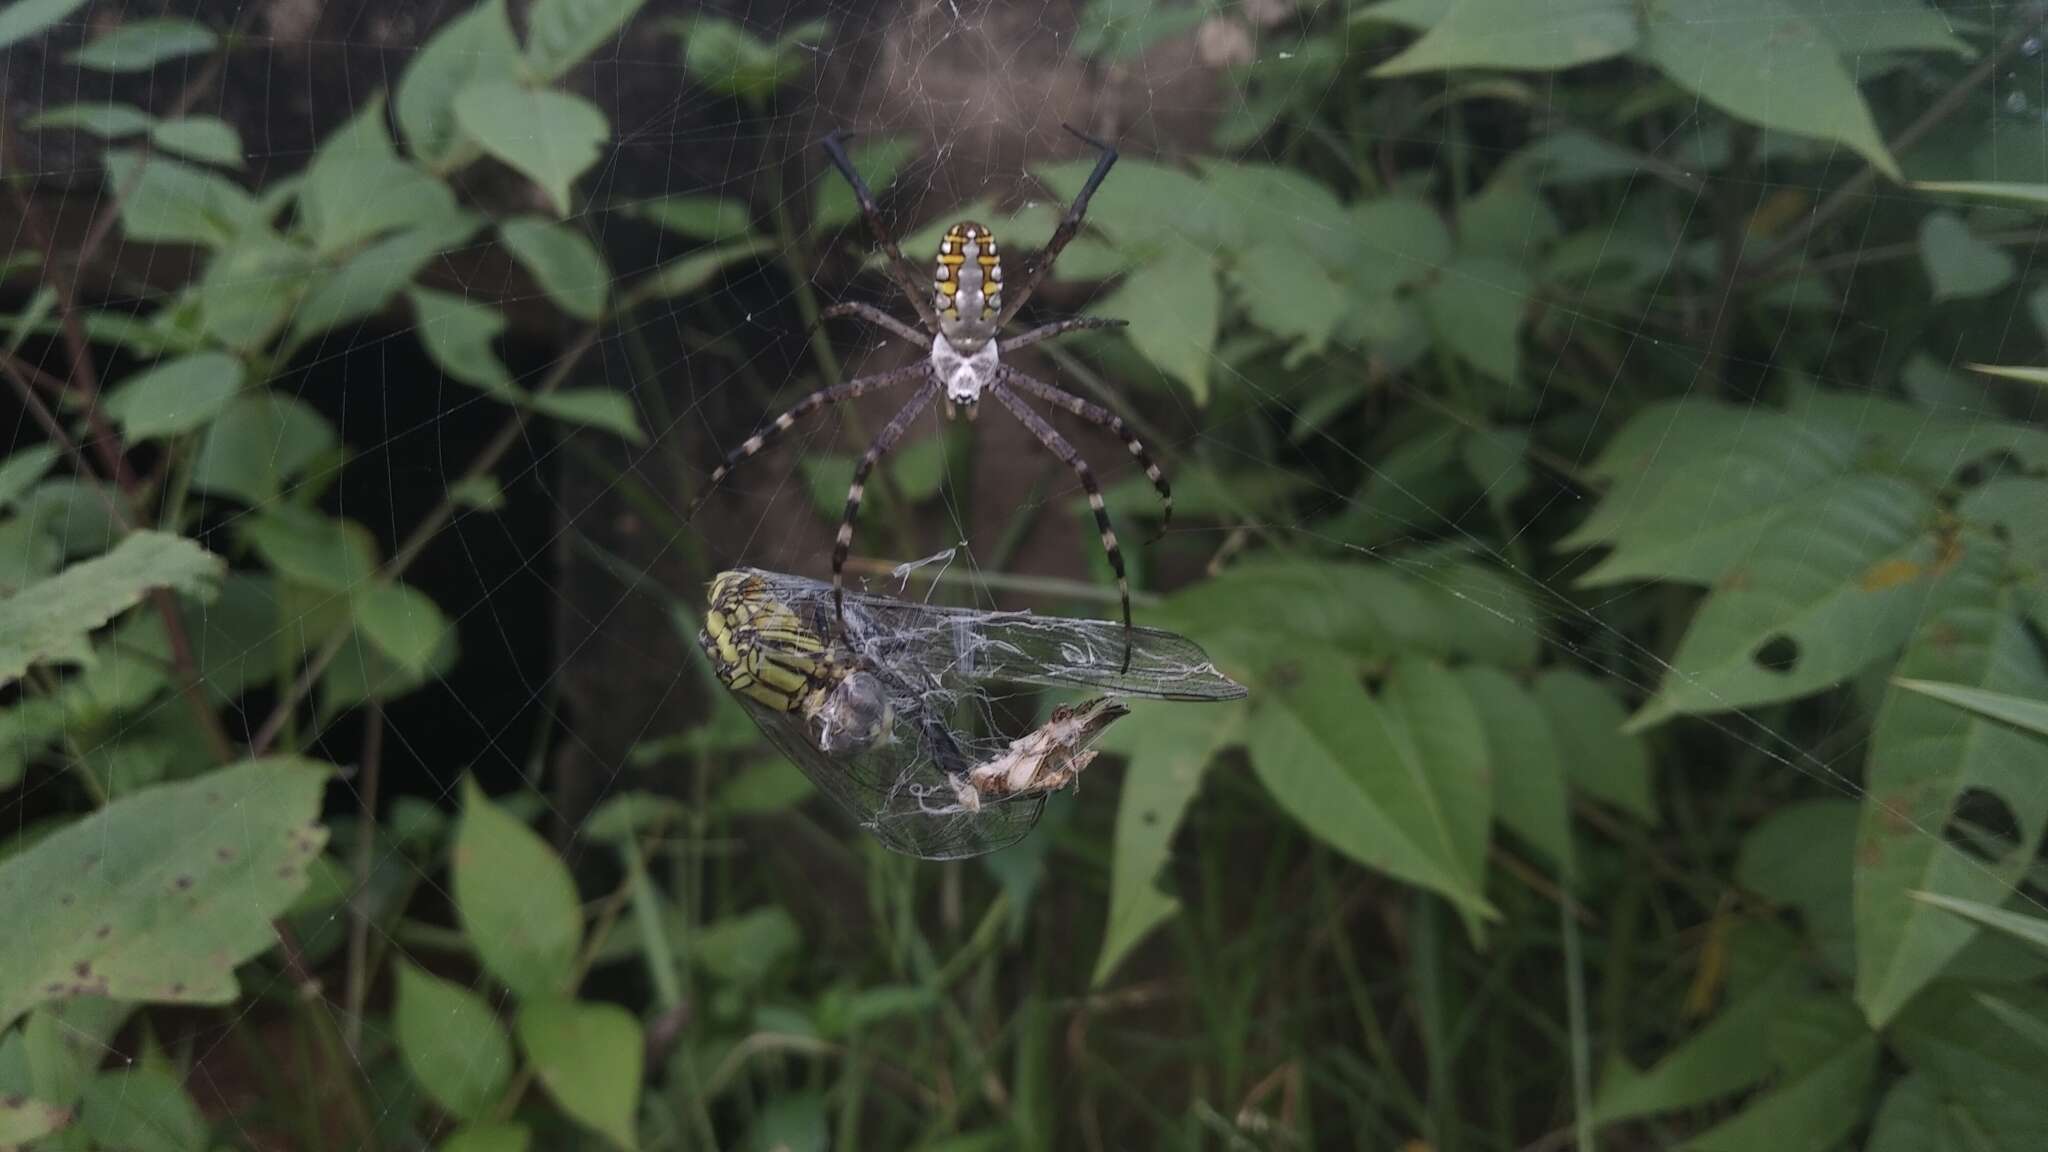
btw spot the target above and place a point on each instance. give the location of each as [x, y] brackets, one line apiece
[809, 404]
[854, 492]
[1101, 417]
[879, 319]
[1058, 446]
[1060, 328]
[1069, 225]
[900, 269]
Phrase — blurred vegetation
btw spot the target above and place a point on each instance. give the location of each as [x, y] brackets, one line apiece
[1606, 445]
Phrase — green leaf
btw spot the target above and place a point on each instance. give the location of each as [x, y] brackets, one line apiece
[2011, 508]
[742, 950]
[487, 1138]
[107, 121]
[370, 277]
[630, 814]
[1730, 1053]
[517, 903]
[250, 288]
[710, 218]
[605, 409]
[141, 1109]
[2018, 925]
[1867, 27]
[1924, 757]
[1982, 1085]
[26, 18]
[86, 907]
[1599, 757]
[2024, 375]
[772, 784]
[588, 1056]
[460, 335]
[177, 397]
[403, 622]
[562, 261]
[1506, 34]
[204, 138]
[257, 444]
[1169, 753]
[1960, 265]
[879, 159]
[479, 492]
[1122, 31]
[144, 44]
[358, 188]
[312, 548]
[2018, 711]
[24, 1118]
[549, 137]
[685, 275]
[1839, 581]
[52, 620]
[1762, 61]
[560, 33]
[21, 469]
[1354, 774]
[475, 47]
[1529, 772]
[1816, 1109]
[2010, 195]
[1172, 305]
[726, 58]
[451, 1042]
[1801, 857]
[171, 202]
[1288, 293]
[1476, 306]
[1697, 484]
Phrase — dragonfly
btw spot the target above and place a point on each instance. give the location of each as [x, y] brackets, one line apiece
[872, 711]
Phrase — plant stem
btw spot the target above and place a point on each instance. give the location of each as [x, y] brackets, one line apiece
[358, 978]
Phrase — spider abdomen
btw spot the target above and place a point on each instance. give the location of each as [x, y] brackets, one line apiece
[967, 285]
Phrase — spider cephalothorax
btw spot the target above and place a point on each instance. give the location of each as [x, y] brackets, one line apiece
[962, 314]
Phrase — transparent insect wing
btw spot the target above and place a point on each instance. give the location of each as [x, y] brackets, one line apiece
[965, 646]
[895, 789]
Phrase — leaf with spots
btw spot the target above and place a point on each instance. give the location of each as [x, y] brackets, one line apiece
[1840, 581]
[1927, 759]
[158, 896]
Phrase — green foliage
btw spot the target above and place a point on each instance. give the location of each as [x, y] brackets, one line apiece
[141, 45]
[517, 901]
[50, 620]
[1642, 615]
[227, 851]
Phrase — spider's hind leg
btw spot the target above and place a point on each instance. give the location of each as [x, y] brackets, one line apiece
[843, 543]
[1058, 446]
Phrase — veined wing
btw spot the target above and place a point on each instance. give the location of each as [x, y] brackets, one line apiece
[961, 646]
[896, 790]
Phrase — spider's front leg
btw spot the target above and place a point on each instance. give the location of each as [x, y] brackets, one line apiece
[843, 543]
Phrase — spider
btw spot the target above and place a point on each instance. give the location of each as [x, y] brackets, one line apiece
[962, 315]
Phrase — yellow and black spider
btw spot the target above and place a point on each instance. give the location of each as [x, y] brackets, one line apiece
[962, 315]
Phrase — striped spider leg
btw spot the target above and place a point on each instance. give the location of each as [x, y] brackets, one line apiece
[962, 315]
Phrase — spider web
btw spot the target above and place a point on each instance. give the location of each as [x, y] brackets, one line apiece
[566, 613]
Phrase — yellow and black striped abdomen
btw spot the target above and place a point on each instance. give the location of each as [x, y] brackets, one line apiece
[967, 286]
[762, 649]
